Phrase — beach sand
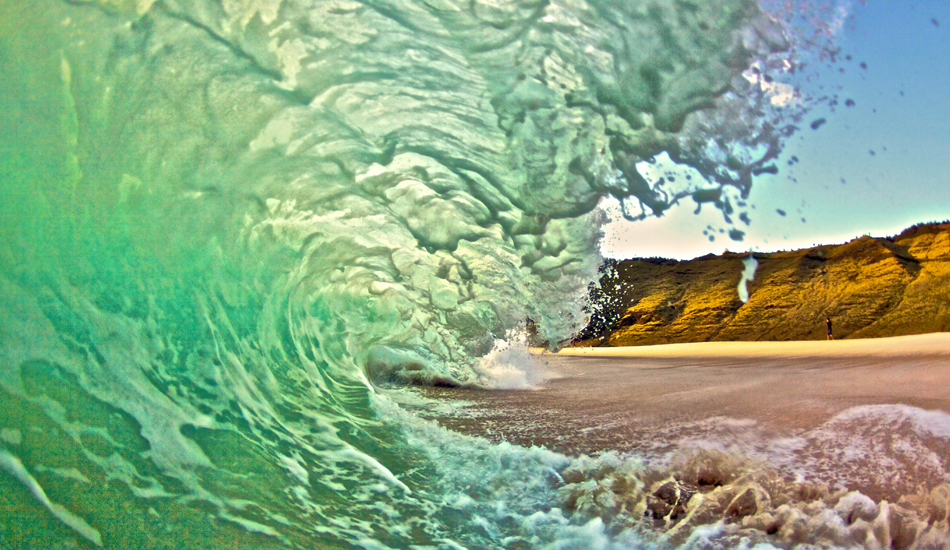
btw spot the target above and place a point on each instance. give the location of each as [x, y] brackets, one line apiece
[861, 411]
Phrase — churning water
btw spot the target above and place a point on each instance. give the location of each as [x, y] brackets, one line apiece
[234, 230]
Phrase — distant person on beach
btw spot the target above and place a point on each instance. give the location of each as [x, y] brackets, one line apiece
[828, 322]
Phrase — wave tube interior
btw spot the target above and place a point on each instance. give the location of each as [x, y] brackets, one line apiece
[230, 228]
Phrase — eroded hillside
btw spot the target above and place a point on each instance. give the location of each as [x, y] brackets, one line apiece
[869, 287]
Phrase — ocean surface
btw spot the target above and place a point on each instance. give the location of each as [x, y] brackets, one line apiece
[236, 234]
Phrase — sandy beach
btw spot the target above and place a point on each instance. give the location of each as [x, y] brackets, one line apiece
[935, 344]
[843, 406]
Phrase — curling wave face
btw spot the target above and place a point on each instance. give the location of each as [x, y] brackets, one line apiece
[227, 225]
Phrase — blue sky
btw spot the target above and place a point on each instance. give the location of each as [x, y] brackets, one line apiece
[874, 168]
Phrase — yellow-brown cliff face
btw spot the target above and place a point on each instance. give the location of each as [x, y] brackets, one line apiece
[869, 287]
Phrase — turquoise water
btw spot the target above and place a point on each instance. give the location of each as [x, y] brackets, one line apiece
[233, 234]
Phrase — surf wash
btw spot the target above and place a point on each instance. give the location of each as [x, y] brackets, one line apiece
[216, 214]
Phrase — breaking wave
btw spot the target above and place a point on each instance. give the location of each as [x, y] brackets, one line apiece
[234, 231]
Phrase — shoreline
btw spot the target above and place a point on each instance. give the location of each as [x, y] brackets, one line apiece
[932, 344]
[836, 409]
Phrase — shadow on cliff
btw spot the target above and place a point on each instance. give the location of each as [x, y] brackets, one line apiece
[869, 287]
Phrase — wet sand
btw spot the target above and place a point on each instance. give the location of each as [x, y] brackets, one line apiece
[810, 399]
[602, 398]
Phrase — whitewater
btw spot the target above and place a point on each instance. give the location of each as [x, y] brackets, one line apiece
[237, 234]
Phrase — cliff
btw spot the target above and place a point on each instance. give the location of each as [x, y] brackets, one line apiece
[869, 287]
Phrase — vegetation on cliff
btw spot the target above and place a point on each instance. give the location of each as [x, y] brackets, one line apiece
[868, 287]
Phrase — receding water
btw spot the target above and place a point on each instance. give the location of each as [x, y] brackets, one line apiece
[233, 232]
